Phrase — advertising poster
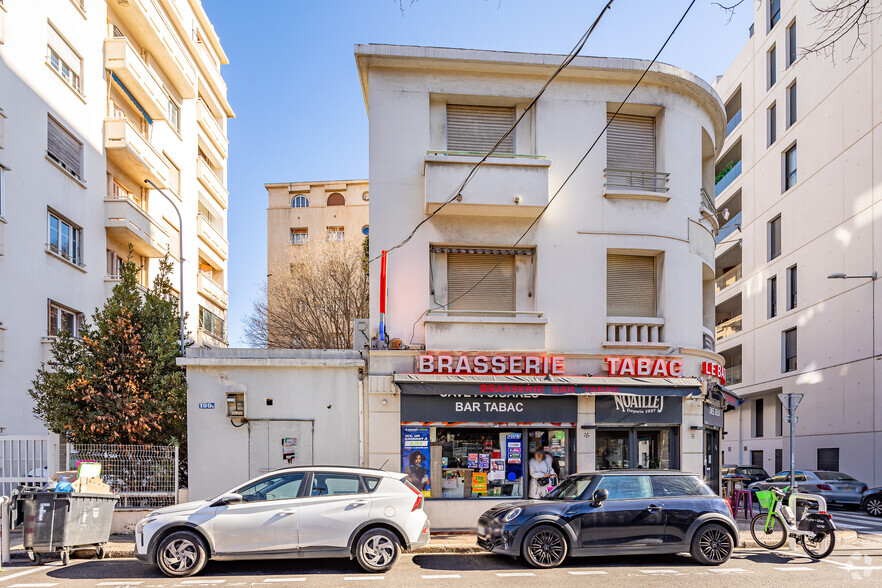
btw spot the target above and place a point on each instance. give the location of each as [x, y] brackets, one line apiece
[479, 482]
[484, 461]
[513, 456]
[497, 470]
[473, 461]
[415, 457]
[289, 449]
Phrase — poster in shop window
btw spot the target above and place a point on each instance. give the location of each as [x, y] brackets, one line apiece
[415, 457]
[479, 482]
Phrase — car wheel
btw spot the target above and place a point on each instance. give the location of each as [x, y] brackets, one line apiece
[377, 550]
[182, 553]
[712, 545]
[544, 547]
[873, 506]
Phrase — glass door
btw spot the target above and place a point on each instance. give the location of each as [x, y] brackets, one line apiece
[653, 449]
[613, 449]
[712, 459]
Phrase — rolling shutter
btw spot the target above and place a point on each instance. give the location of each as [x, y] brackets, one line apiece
[495, 292]
[64, 148]
[476, 129]
[630, 143]
[630, 285]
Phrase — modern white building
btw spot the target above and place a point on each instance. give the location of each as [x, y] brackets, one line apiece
[797, 175]
[97, 96]
[593, 337]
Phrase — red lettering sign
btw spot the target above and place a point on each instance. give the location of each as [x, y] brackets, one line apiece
[526, 365]
[712, 368]
[644, 367]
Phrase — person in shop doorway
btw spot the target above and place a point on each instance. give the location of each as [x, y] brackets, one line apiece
[540, 474]
[416, 471]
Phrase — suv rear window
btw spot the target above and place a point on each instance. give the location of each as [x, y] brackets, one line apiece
[665, 486]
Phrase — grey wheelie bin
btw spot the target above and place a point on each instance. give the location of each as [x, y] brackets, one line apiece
[55, 523]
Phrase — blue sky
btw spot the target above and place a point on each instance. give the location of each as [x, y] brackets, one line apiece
[300, 115]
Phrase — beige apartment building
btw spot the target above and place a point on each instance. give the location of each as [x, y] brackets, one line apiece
[97, 96]
[797, 176]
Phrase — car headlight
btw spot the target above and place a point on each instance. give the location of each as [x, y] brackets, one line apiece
[512, 514]
[142, 523]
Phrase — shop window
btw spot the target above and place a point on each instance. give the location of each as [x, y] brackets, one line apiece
[633, 448]
[335, 485]
[278, 487]
[630, 285]
[481, 281]
[626, 487]
[476, 129]
[828, 459]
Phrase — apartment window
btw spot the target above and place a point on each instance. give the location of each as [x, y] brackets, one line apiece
[772, 59]
[791, 44]
[64, 320]
[336, 199]
[791, 105]
[114, 264]
[631, 146]
[476, 129]
[174, 115]
[299, 236]
[779, 419]
[211, 323]
[174, 244]
[774, 13]
[791, 288]
[756, 458]
[779, 460]
[790, 168]
[335, 235]
[174, 177]
[480, 281]
[2, 191]
[300, 201]
[65, 239]
[774, 237]
[758, 417]
[631, 286]
[64, 149]
[773, 296]
[64, 60]
[772, 115]
[828, 459]
[789, 350]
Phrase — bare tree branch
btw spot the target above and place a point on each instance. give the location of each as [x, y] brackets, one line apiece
[839, 20]
[729, 9]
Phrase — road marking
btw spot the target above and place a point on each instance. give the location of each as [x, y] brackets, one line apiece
[514, 574]
[670, 572]
[121, 583]
[203, 581]
[19, 574]
[589, 573]
[441, 577]
[44, 585]
[795, 569]
[358, 578]
[730, 571]
[268, 580]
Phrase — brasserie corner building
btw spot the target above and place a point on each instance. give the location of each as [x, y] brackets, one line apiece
[464, 427]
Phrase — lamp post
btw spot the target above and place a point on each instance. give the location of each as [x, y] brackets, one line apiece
[180, 255]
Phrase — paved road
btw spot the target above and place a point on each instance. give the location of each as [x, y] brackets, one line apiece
[860, 521]
[860, 566]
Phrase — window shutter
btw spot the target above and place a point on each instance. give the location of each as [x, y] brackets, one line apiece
[630, 143]
[63, 49]
[630, 285]
[64, 148]
[495, 292]
[476, 129]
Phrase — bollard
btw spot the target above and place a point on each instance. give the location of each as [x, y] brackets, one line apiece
[5, 529]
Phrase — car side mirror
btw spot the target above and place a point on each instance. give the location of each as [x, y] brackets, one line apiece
[599, 496]
[228, 498]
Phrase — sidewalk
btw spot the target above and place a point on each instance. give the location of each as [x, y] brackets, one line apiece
[462, 542]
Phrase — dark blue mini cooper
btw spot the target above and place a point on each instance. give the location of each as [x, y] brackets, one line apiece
[618, 512]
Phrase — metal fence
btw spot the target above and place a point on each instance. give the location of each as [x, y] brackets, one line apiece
[24, 461]
[142, 476]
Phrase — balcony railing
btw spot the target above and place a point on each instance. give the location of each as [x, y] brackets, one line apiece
[733, 374]
[212, 183]
[728, 278]
[729, 327]
[635, 180]
[708, 340]
[728, 178]
[131, 150]
[128, 222]
[624, 331]
[708, 202]
[125, 62]
[732, 225]
[733, 122]
[206, 286]
[211, 128]
[211, 236]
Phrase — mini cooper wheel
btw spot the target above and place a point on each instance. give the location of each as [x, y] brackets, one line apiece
[874, 506]
[545, 547]
[182, 553]
[377, 550]
[712, 545]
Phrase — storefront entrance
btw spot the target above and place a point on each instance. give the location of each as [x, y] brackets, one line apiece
[712, 459]
[640, 448]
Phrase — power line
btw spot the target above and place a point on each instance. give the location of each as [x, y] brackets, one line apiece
[574, 52]
[585, 156]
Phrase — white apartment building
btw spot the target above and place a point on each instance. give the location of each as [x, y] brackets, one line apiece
[97, 96]
[803, 202]
[593, 338]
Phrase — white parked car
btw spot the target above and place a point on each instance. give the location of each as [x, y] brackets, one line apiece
[299, 512]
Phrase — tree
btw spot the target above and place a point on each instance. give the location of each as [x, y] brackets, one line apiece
[311, 298]
[117, 382]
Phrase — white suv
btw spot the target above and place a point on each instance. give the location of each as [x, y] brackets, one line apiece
[291, 513]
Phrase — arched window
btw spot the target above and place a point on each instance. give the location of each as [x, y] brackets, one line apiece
[300, 201]
[365, 230]
[336, 199]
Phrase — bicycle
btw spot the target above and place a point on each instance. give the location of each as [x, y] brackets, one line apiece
[815, 532]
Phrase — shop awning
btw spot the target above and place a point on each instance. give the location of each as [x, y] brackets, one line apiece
[435, 384]
[732, 399]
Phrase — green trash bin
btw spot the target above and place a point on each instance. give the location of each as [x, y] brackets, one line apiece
[55, 523]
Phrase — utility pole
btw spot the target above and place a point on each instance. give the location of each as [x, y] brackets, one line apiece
[790, 402]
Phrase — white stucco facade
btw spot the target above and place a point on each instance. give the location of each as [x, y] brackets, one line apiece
[558, 284]
[828, 219]
[136, 91]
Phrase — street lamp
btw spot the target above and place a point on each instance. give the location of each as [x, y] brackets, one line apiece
[180, 255]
